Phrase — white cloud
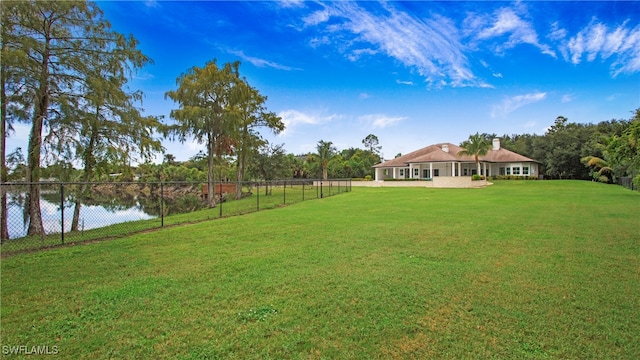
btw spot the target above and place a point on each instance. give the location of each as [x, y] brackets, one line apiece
[261, 63]
[292, 118]
[612, 97]
[557, 33]
[404, 82]
[20, 132]
[567, 98]
[356, 54]
[290, 3]
[316, 18]
[510, 104]
[193, 146]
[506, 22]
[380, 121]
[319, 41]
[488, 67]
[622, 44]
[144, 76]
[430, 46]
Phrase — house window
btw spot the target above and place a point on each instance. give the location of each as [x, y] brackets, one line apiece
[436, 172]
[416, 173]
[525, 170]
[465, 172]
[425, 173]
[508, 171]
[501, 171]
[386, 171]
[401, 172]
[516, 170]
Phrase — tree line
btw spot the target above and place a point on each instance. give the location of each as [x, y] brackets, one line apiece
[601, 152]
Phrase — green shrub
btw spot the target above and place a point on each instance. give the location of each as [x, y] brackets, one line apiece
[476, 177]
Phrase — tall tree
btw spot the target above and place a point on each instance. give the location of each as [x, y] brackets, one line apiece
[564, 149]
[105, 127]
[204, 99]
[7, 54]
[476, 146]
[58, 44]
[602, 170]
[326, 151]
[249, 113]
[371, 143]
[624, 150]
[271, 162]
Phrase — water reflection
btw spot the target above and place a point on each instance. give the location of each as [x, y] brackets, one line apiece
[104, 204]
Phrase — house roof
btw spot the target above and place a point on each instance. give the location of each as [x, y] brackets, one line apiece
[438, 153]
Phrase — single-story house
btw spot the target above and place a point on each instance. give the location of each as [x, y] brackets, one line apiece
[442, 160]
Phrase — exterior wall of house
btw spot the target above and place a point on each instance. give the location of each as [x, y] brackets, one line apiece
[438, 182]
[515, 169]
[450, 169]
[423, 171]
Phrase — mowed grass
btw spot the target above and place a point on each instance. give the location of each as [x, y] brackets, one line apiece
[536, 269]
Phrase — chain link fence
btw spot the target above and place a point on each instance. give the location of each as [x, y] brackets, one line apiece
[626, 181]
[78, 212]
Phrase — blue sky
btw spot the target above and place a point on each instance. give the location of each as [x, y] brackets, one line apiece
[412, 73]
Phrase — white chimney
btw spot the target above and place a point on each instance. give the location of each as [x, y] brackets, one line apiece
[496, 144]
[445, 148]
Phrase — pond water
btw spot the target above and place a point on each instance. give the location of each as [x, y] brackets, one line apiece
[91, 216]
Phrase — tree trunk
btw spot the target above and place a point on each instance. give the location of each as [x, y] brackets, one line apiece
[76, 214]
[75, 222]
[240, 175]
[325, 174]
[33, 163]
[33, 177]
[4, 229]
[211, 198]
[35, 142]
[89, 163]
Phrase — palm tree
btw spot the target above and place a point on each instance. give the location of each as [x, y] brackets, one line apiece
[475, 146]
[326, 150]
[604, 173]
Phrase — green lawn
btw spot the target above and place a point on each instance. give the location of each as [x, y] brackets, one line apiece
[520, 269]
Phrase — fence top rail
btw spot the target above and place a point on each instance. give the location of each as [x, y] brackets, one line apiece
[291, 180]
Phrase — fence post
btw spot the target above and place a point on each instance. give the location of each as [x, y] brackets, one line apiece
[321, 193]
[62, 212]
[161, 204]
[214, 193]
